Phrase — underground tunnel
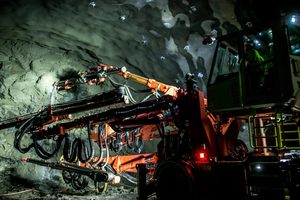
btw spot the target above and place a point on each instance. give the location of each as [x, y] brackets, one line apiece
[131, 99]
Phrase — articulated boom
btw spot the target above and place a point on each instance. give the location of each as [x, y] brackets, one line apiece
[178, 119]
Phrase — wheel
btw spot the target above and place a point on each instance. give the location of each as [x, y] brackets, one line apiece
[240, 151]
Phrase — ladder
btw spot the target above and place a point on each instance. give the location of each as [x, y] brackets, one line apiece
[263, 132]
[270, 131]
[289, 135]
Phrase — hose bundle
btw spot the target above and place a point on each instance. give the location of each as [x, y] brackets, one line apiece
[77, 181]
[101, 136]
[130, 138]
[24, 129]
[78, 149]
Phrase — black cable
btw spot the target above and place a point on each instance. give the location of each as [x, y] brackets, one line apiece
[70, 150]
[78, 181]
[85, 154]
[119, 141]
[138, 141]
[20, 133]
[161, 131]
[112, 144]
[127, 138]
[100, 186]
[17, 143]
[100, 134]
[25, 129]
[116, 144]
[41, 152]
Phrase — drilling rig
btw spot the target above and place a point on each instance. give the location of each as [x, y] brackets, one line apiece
[199, 154]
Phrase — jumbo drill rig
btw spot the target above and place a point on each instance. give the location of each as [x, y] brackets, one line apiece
[200, 155]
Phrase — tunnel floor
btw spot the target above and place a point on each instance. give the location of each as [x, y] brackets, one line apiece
[13, 187]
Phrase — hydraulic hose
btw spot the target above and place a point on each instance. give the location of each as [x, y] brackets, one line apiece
[127, 138]
[162, 132]
[86, 154]
[116, 144]
[77, 149]
[41, 152]
[20, 133]
[100, 187]
[25, 129]
[100, 135]
[138, 141]
[78, 181]
[70, 150]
